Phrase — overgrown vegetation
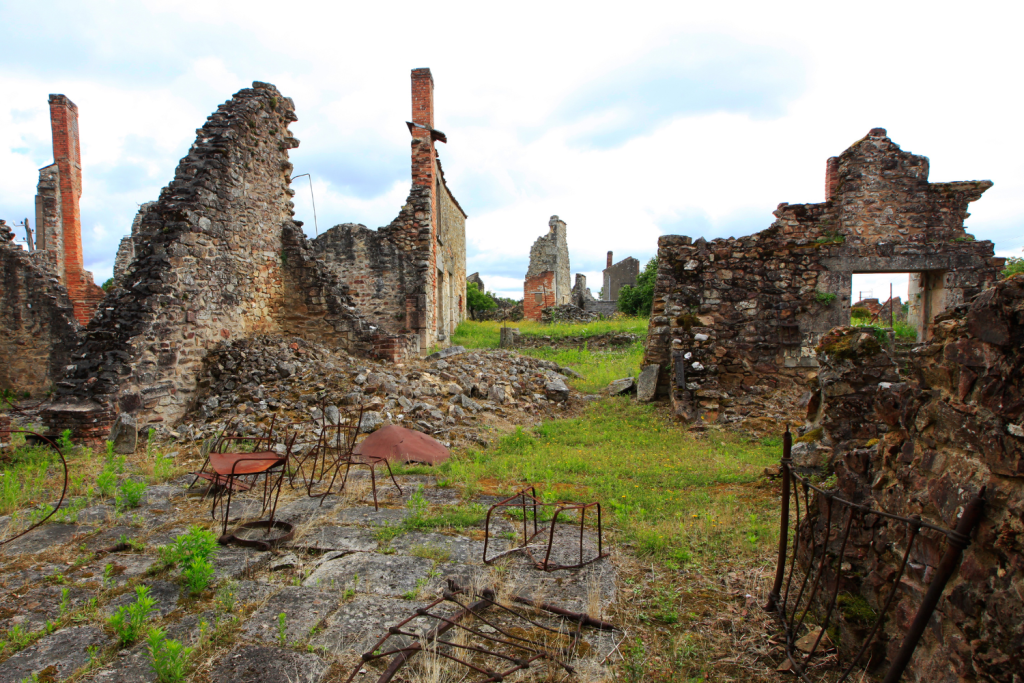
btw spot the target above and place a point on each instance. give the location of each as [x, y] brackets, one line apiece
[193, 551]
[638, 300]
[477, 300]
[129, 621]
[484, 334]
[1014, 266]
[684, 499]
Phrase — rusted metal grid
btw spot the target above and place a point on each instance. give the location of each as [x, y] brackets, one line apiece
[527, 503]
[481, 648]
[799, 591]
[5, 433]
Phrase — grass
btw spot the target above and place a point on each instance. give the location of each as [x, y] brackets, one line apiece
[598, 368]
[483, 334]
[680, 497]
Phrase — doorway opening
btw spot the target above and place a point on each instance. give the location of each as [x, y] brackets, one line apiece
[905, 302]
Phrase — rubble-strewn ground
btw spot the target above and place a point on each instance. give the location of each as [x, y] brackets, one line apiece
[689, 520]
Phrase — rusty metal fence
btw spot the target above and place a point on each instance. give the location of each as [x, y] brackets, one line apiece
[805, 605]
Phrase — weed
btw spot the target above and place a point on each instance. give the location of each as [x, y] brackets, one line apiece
[430, 552]
[225, 597]
[130, 620]
[108, 576]
[282, 625]
[196, 576]
[824, 297]
[129, 494]
[65, 601]
[168, 657]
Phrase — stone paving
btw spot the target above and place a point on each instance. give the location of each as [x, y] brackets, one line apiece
[350, 573]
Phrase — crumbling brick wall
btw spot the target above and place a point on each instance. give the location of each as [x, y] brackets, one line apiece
[37, 323]
[551, 253]
[538, 294]
[733, 314]
[923, 443]
[217, 256]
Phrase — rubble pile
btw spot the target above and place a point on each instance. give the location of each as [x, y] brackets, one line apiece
[457, 398]
[566, 313]
[504, 311]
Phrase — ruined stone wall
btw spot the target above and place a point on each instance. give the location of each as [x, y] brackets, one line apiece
[377, 272]
[49, 231]
[452, 247]
[625, 272]
[475, 277]
[538, 294]
[37, 323]
[551, 253]
[923, 442]
[126, 249]
[733, 314]
[217, 257]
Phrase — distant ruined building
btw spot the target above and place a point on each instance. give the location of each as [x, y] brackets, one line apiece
[547, 279]
[219, 257]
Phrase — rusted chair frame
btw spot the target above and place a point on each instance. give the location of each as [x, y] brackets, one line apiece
[530, 500]
[786, 610]
[313, 456]
[344, 444]
[224, 439]
[270, 493]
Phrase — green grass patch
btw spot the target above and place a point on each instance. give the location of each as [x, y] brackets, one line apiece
[483, 334]
[675, 495]
[599, 368]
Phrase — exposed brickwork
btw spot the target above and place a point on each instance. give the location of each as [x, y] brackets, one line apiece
[37, 324]
[67, 157]
[538, 294]
[549, 253]
[217, 257]
[733, 314]
[923, 444]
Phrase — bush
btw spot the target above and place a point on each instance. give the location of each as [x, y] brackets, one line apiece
[129, 494]
[639, 300]
[129, 620]
[167, 657]
[1014, 266]
[192, 550]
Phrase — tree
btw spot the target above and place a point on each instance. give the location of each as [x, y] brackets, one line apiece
[477, 300]
[1014, 266]
[108, 285]
[639, 300]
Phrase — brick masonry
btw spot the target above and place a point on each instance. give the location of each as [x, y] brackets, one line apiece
[733, 314]
[923, 442]
[538, 294]
[549, 254]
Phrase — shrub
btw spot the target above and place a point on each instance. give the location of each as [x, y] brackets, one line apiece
[824, 297]
[1014, 266]
[129, 494]
[192, 550]
[167, 657]
[129, 620]
[197, 575]
[477, 300]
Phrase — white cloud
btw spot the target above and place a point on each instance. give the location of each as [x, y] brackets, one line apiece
[145, 76]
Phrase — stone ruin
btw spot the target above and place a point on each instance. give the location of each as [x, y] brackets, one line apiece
[744, 315]
[616, 276]
[547, 279]
[475, 278]
[891, 309]
[219, 257]
[921, 436]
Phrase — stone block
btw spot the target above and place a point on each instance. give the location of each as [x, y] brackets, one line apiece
[124, 434]
[647, 383]
[625, 385]
[59, 655]
[304, 610]
[393, 575]
[264, 664]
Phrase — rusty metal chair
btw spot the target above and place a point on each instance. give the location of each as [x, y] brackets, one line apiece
[228, 438]
[341, 451]
[229, 468]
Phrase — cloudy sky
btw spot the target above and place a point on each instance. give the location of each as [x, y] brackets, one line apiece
[629, 121]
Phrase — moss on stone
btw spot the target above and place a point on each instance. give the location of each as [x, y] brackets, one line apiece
[811, 436]
[849, 343]
[855, 609]
[687, 321]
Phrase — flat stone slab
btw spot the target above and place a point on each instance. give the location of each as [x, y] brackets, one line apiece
[57, 655]
[238, 563]
[32, 609]
[304, 610]
[124, 566]
[393, 575]
[445, 548]
[97, 514]
[367, 516]
[137, 666]
[249, 591]
[305, 509]
[589, 589]
[327, 538]
[360, 623]
[110, 537]
[46, 537]
[262, 664]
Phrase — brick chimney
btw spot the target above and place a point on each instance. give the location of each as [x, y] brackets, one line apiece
[609, 260]
[831, 177]
[422, 142]
[68, 157]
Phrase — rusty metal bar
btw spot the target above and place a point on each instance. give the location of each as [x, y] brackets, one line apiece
[950, 561]
[780, 567]
[64, 489]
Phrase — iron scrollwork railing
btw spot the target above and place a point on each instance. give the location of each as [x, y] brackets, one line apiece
[800, 589]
